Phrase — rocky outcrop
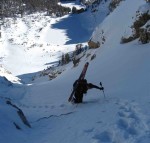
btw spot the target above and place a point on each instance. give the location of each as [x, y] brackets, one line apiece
[141, 28]
[93, 45]
[21, 115]
[144, 34]
[113, 4]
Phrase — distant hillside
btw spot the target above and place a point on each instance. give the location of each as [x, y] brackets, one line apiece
[22, 7]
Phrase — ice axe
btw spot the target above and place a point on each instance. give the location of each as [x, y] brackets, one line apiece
[103, 89]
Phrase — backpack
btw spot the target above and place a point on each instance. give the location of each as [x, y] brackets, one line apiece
[82, 85]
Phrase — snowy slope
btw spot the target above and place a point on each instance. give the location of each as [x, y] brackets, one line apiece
[121, 117]
[8, 119]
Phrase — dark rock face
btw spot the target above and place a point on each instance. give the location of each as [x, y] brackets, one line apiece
[144, 35]
[21, 115]
[142, 29]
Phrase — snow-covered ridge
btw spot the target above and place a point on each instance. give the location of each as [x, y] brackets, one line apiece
[118, 21]
[6, 74]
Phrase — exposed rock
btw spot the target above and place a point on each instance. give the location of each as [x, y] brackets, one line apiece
[141, 28]
[113, 4]
[21, 115]
[17, 126]
[93, 45]
[144, 34]
[93, 57]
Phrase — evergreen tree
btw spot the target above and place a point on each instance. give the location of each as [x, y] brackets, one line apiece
[67, 58]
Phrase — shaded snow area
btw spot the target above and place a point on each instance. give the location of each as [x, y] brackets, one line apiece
[9, 122]
[35, 42]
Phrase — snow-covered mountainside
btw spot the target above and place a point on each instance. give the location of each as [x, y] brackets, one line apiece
[35, 109]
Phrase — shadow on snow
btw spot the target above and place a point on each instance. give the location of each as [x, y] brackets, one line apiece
[75, 27]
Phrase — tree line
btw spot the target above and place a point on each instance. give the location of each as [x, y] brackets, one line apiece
[13, 8]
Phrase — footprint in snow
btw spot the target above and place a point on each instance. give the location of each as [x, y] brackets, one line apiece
[99, 122]
[131, 122]
[104, 137]
[89, 130]
[130, 126]
[62, 105]
[52, 107]
[46, 106]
